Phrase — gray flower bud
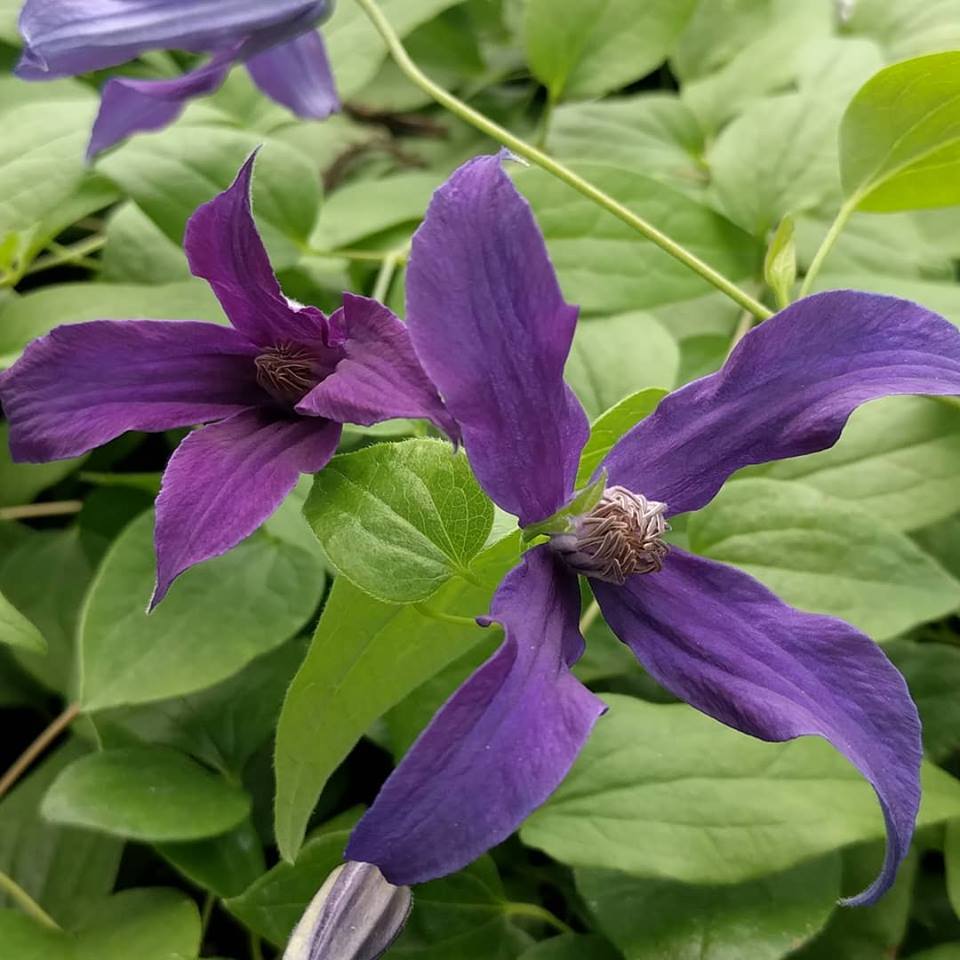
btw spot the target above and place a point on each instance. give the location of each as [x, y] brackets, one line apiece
[356, 915]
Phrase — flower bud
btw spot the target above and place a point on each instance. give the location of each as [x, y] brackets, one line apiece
[356, 915]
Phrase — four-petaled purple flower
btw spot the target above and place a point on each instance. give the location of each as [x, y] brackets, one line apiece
[492, 330]
[277, 41]
[280, 382]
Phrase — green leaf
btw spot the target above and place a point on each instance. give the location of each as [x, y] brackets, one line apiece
[942, 541]
[606, 266]
[762, 919]
[21, 482]
[943, 298]
[614, 357]
[67, 871]
[951, 854]
[218, 617]
[899, 140]
[579, 51]
[824, 555]
[780, 263]
[138, 251]
[608, 428]
[38, 312]
[144, 793]
[17, 631]
[400, 519]
[898, 458]
[653, 132]
[572, 946]
[169, 174]
[946, 951]
[159, 924]
[717, 806]
[908, 28]
[366, 656]
[932, 671]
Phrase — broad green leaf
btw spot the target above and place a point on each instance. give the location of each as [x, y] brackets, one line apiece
[610, 426]
[824, 555]
[606, 266]
[946, 951]
[951, 854]
[218, 617]
[867, 932]
[580, 50]
[144, 793]
[780, 263]
[900, 137]
[138, 251]
[224, 865]
[653, 132]
[366, 656]
[942, 541]
[572, 946]
[38, 312]
[762, 919]
[21, 482]
[65, 870]
[169, 174]
[157, 924]
[943, 298]
[17, 631]
[932, 671]
[897, 458]
[908, 28]
[664, 791]
[614, 357]
[400, 519]
[9, 14]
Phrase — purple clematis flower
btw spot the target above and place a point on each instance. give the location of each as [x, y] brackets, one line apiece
[492, 330]
[279, 383]
[277, 41]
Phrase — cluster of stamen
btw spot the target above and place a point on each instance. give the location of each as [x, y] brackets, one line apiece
[620, 537]
[287, 372]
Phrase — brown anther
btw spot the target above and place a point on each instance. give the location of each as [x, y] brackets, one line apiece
[287, 372]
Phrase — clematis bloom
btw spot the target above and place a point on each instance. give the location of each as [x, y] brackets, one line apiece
[492, 330]
[279, 383]
[277, 41]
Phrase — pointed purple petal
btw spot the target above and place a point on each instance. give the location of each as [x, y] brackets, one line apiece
[501, 744]
[724, 643]
[297, 74]
[86, 383]
[225, 249]
[493, 332]
[786, 390]
[131, 106]
[380, 376]
[223, 481]
[67, 37]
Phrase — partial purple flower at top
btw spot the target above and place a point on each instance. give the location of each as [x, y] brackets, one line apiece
[276, 40]
[492, 330]
[279, 383]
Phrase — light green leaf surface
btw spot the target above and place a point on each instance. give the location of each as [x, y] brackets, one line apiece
[664, 791]
[572, 946]
[824, 555]
[400, 519]
[17, 631]
[908, 28]
[21, 482]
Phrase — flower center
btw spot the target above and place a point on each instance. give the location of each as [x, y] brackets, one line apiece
[621, 536]
[288, 372]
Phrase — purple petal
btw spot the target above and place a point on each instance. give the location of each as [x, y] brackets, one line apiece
[225, 249]
[132, 106]
[223, 481]
[493, 332]
[786, 390]
[724, 643]
[68, 37]
[297, 74]
[86, 383]
[380, 376]
[501, 744]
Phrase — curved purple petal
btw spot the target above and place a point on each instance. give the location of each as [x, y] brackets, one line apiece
[86, 383]
[133, 106]
[297, 74]
[498, 747]
[724, 643]
[224, 248]
[223, 481]
[786, 390]
[379, 377]
[68, 37]
[492, 330]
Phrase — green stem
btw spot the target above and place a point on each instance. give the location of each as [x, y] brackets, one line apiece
[361, 256]
[387, 270]
[586, 621]
[533, 911]
[53, 730]
[75, 254]
[836, 228]
[256, 948]
[744, 326]
[523, 149]
[209, 902]
[29, 511]
[427, 611]
[26, 903]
